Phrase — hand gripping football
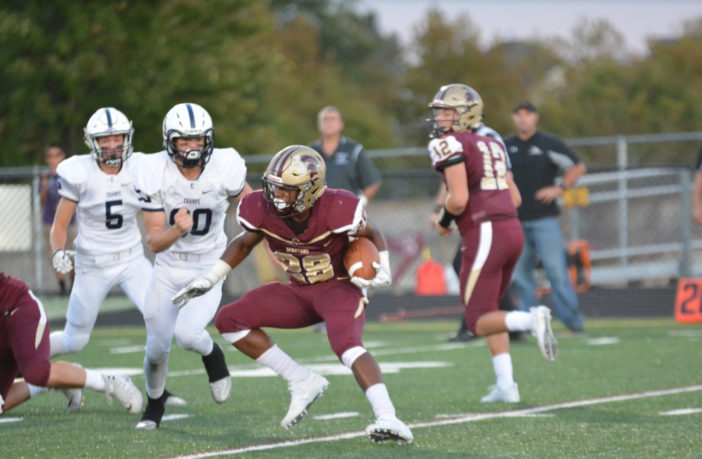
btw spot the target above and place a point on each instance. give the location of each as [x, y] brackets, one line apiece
[359, 258]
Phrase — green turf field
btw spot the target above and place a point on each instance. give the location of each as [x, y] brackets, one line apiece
[567, 408]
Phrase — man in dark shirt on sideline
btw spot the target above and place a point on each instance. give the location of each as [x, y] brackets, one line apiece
[348, 166]
[537, 158]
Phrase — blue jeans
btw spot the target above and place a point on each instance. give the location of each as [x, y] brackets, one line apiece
[543, 237]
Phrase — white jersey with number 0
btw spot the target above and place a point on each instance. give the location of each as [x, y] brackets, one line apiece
[106, 204]
[162, 187]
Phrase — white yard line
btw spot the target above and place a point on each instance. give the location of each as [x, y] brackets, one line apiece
[8, 419]
[459, 419]
[681, 412]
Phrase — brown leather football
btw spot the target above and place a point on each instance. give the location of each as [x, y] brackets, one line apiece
[359, 258]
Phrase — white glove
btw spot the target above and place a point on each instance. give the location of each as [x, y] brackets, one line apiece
[62, 261]
[198, 287]
[202, 285]
[382, 278]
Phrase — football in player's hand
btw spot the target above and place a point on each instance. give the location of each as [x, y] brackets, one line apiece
[359, 258]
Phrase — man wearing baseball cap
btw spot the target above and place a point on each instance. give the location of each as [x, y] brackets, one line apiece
[538, 160]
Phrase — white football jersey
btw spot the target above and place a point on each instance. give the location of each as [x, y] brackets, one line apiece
[162, 187]
[106, 204]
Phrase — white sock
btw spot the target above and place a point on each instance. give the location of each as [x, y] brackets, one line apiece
[502, 363]
[518, 321]
[36, 390]
[280, 362]
[155, 374]
[378, 396]
[94, 381]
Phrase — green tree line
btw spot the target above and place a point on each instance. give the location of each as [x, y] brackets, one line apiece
[263, 69]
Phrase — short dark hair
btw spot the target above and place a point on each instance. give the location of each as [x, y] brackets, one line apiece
[524, 105]
[55, 145]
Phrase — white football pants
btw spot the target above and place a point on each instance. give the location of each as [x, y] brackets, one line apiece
[91, 286]
[164, 319]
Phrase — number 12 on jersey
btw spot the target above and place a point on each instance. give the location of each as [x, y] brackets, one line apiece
[494, 166]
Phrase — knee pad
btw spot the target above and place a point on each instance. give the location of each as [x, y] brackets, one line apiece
[233, 337]
[185, 337]
[350, 355]
[157, 351]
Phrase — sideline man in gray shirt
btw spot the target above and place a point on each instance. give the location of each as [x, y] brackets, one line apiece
[348, 165]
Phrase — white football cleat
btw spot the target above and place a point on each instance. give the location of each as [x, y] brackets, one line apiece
[174, 400]
[496, 394]
[123, 389]
[302, 394]
[541, 328]
[389, 429]
[218, 374]
[219, 389]
[75, 399]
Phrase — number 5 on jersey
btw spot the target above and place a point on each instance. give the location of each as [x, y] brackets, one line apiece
[113, 220]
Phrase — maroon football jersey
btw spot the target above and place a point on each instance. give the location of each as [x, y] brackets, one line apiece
[11, 290]
[486, 168]
[316, 254]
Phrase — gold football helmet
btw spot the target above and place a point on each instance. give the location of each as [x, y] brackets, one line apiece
[295, 168]
[467, 103]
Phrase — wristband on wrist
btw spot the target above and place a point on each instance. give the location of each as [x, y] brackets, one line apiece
[220, 269]
[445, 218]
[562, 185]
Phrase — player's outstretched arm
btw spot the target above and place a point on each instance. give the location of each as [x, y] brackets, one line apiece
[237, 250]
[58, 236]
[59, 228]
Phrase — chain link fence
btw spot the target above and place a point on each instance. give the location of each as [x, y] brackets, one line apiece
[637, 221]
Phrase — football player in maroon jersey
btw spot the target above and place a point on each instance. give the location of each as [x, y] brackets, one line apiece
[307, 227]
[24, 346]
[481, 199]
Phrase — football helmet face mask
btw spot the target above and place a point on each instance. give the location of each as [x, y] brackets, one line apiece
[109, 121]
[465, 101]
[297, 172]
[188, 120]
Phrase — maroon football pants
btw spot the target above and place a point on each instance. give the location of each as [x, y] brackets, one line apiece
[489, 254]
[337, 302]
[24, 343]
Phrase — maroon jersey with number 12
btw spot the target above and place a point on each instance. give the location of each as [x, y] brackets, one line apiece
[486, 167]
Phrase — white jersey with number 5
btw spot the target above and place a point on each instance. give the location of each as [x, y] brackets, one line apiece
[162, 187]
[106, 204]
